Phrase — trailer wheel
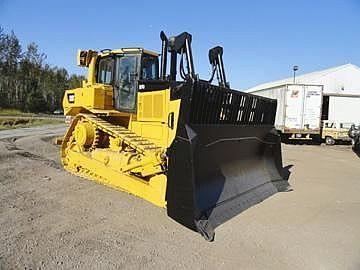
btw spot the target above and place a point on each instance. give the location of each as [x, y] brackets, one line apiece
[329, 140]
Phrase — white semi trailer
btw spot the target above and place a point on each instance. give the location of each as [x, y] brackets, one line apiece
[298, 114]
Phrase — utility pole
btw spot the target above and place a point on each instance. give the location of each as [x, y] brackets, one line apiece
[295, 68]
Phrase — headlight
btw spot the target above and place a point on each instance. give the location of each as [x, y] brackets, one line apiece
[71, 97]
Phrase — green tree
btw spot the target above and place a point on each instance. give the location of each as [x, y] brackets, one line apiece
[30, 74]
[10, 54]
[26, 81]
[75, 81]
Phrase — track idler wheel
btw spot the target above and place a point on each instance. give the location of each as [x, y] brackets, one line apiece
[85, 134]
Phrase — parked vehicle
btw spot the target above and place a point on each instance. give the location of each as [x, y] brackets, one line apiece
[58, 112]
[333, 132]
[298, 114]
[354, 134]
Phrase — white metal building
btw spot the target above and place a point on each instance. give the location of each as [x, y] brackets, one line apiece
[341, 91]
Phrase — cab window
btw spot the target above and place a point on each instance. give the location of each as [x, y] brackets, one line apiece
[105, 70]
[346, 125]
[149, 67]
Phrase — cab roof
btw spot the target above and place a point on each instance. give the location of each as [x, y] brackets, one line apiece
[129, 50]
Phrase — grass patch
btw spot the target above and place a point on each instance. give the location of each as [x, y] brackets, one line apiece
[14, 112]
[10, 123]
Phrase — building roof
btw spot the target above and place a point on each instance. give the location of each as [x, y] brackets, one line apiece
[316, 77]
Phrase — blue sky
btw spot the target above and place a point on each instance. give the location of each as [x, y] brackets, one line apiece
[262, 40]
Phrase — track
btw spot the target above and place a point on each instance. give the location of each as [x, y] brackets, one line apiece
[131, 163]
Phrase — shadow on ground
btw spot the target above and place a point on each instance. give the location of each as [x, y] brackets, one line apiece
[286, 172]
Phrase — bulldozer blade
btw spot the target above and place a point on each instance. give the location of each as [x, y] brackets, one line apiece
[219, 167]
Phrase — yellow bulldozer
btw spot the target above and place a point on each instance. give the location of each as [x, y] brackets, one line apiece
[204, 152]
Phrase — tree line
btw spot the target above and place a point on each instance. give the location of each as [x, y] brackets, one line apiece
[27, 82]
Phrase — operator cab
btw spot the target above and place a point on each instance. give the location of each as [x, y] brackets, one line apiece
[123, 69]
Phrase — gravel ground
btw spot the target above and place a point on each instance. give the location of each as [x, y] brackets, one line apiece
[50, 219]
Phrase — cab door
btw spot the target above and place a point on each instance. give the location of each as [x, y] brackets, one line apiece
[126, 82]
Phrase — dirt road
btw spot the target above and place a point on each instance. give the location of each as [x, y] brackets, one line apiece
[45, 131]
[50, 219]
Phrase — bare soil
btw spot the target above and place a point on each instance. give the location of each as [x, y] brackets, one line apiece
[50, 219]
